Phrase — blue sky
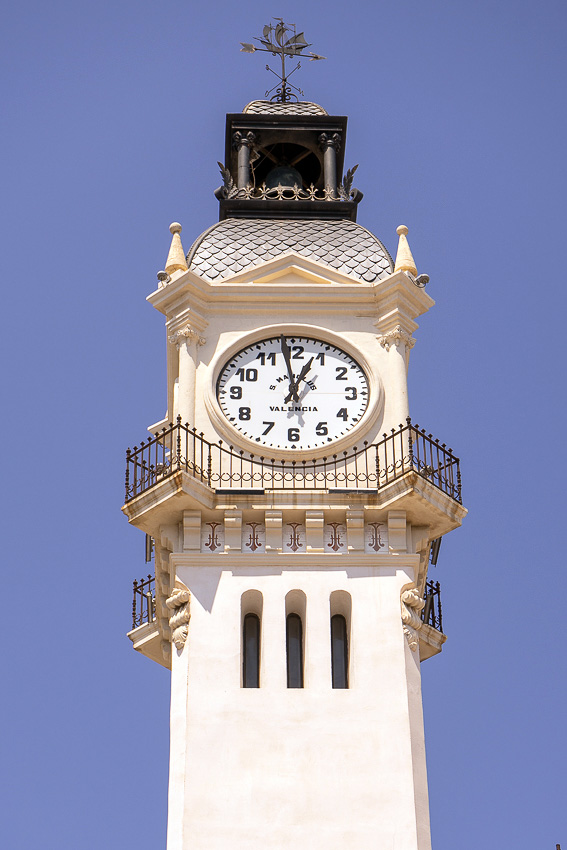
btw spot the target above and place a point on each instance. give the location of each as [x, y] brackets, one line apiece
[113, 123]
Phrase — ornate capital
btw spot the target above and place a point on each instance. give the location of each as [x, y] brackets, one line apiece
[396, 337]
[412, 605]
[247, 139]
[186, 334]
[329, 140]
[179, 604]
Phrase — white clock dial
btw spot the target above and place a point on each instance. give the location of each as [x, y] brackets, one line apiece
[293, 392]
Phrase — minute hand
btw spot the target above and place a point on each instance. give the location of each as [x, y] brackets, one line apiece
[287, 358]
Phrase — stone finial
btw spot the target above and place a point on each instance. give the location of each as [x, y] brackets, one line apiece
[404, 259]
[176, 258]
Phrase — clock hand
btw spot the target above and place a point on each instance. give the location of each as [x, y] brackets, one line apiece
[292, 384]
[299, 378]
[304, 371]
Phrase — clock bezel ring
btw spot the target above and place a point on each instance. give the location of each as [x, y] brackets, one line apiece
[233, 436]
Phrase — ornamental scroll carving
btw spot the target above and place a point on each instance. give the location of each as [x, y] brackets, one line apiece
[179, 604]
[412, 606]
[395, 337]
[186, 334]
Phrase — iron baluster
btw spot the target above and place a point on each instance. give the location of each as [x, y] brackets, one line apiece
[134, 623]
[410, 442]
[127, 474]
[178, 442]
[438, 586]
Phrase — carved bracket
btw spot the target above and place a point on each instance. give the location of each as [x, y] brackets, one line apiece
[186, 334]
[239, 139]
[179, 605]
[329, 140]
[412, 605]
[395, 337]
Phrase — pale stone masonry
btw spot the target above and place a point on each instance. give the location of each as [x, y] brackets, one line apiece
[251, 332]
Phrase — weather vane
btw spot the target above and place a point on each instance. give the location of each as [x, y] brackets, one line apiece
[284, 41]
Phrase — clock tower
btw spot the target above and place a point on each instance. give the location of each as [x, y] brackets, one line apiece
[291, 506]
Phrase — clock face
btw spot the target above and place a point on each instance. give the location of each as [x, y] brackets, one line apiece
[292, 392]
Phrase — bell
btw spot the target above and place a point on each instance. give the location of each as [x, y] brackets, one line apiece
[285, 176]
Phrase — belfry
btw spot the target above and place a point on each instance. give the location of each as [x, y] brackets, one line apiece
[290, 504]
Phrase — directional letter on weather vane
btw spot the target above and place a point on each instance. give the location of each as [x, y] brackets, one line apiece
[282, 40]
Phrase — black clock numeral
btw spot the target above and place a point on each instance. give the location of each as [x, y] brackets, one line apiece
[321, 430]
[353, 391]
[236, 392]
[268, 429]
[321, 358]
[341, 373]
[299, 349]
[262, 357]
[248, 374]
[244, 414]
[293, 435]
[342, 414]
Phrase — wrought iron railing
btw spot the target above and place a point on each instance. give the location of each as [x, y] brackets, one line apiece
[431, 613]
[291, 193]
[222, 467]
[144, 602]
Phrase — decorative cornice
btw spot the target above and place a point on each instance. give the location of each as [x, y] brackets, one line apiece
[396, 336]
[412, 605]
[179, 605]
[186, 334]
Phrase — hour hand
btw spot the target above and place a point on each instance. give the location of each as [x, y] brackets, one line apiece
[304, 371]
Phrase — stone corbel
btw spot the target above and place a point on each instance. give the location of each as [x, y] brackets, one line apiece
[412, 604]
[274, 527]
[398, 337]
[179, 605]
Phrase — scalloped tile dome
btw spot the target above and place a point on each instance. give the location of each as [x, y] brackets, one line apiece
[266, 107]
[234, 245]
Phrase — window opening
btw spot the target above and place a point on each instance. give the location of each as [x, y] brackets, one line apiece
[294, 649]
[339, 651]
[251, 651]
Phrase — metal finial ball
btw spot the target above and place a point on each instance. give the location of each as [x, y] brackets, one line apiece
[175, 227]
[402, 230]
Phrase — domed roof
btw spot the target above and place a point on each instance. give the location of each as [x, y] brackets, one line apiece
[237, 244]
[267, 107]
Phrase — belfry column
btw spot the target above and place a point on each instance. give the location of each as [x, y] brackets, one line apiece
[187, 341]
[243, 142]
[330, 144]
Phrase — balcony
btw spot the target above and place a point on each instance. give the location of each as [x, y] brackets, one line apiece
[146, 637]
[143, 605]
[222, 468]
[145, 633]
[431, 613]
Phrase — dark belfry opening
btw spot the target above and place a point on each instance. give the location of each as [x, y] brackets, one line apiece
[281, 155]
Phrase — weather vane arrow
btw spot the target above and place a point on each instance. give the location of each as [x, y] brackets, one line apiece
[284, 41]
